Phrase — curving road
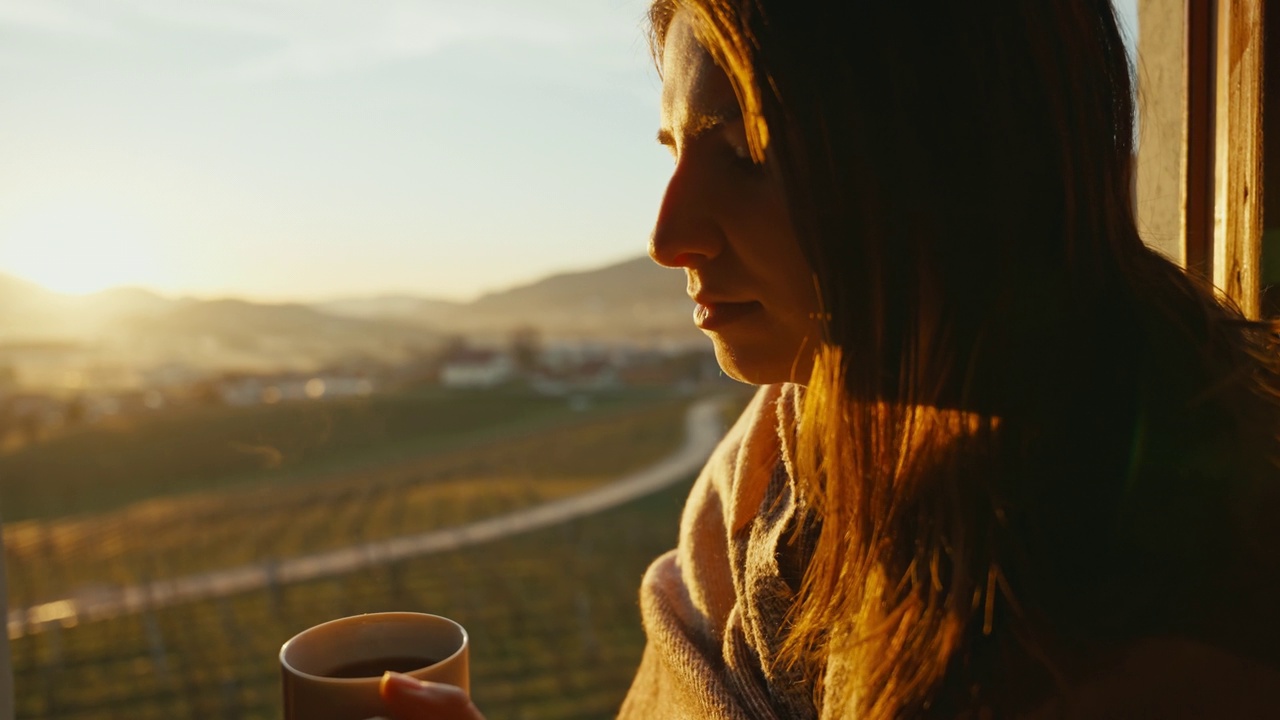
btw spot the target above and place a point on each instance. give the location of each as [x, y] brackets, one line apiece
[703, 429]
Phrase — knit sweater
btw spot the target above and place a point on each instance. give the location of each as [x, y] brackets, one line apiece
[714, 611]
[713, 607]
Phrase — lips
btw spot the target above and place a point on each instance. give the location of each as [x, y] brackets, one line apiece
[708, 315]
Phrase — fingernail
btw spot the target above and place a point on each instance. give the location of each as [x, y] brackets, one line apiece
[395, 682]
[398, 682]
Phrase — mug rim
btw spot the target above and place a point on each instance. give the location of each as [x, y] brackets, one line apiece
[284, 663]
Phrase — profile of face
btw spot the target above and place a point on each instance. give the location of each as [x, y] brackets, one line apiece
[723, 219]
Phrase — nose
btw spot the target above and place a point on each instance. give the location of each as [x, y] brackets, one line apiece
[686, 234]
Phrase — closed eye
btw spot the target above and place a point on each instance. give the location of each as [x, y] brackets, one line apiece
[696, 125]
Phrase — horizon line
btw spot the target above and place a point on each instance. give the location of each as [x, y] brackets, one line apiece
[262, 299]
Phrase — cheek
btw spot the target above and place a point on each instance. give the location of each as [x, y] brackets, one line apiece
[757, 215]
[756, 220]
[781, 262]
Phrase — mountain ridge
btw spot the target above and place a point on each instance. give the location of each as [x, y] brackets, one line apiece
[629, 301]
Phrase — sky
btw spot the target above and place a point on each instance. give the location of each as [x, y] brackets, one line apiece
[307, 149]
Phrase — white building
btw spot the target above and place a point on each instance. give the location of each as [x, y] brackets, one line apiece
[477, 369]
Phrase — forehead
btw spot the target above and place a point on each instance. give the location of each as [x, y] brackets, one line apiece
[693, 86]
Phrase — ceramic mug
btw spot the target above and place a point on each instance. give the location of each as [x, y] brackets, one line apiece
[332, 671]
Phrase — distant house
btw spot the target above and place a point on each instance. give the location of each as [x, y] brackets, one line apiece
[665, 368]
[592, 375]
[477, 369]
[567, 355]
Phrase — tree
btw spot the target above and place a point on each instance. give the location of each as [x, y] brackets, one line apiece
[526, 348]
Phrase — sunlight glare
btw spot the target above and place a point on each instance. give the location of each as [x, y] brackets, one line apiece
[78, 249]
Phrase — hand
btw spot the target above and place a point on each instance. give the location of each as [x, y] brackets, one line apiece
[410, 699]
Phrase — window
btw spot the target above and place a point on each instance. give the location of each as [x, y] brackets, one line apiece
[1200, 70]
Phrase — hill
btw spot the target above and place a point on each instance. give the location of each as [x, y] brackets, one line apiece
[129, 328]
[633, 296]
[115, 330]
[238, 333]
[409, 308]
[631, 300]
[30, 312]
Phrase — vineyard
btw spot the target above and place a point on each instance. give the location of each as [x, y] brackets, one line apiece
[552, 617]
[552, 613]
[205, 451]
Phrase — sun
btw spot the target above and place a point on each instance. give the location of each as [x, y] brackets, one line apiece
[78, 248]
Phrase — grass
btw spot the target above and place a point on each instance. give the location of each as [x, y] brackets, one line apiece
[552, 616]
[199, 449]
[175, 536]
[552, 613]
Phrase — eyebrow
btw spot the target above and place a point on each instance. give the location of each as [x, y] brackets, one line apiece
[699, 124]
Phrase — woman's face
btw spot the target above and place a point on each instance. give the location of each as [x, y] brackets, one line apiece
[723, 219]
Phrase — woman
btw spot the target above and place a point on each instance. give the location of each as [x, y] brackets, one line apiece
[1008, 462]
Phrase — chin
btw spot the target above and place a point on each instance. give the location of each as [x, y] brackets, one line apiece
[762, 366]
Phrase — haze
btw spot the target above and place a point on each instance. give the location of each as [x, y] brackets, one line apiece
[280, 149]
[293, 150]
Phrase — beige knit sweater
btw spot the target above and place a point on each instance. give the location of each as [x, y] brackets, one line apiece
[713, 608]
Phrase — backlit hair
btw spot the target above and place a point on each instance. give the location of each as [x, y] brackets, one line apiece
[1029, 437]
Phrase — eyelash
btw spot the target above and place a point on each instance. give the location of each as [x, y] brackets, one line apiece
[739, 156]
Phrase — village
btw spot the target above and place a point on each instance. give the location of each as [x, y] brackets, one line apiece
[46, 390]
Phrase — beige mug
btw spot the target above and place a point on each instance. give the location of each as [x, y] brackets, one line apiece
[332, 671]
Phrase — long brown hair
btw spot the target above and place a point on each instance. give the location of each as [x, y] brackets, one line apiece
[1029, 437]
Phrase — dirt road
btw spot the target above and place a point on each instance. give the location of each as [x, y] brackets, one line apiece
[703, 429]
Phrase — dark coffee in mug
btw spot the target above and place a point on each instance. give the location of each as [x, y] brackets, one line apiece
[377, 666]
[332, 671]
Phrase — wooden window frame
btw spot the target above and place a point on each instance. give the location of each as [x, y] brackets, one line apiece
[1199, 194]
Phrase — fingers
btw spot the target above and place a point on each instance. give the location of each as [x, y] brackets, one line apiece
[410, 699]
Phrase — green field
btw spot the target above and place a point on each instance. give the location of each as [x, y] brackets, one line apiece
[178, 535]
[552, 616]
[210, 448]
[552, 613]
